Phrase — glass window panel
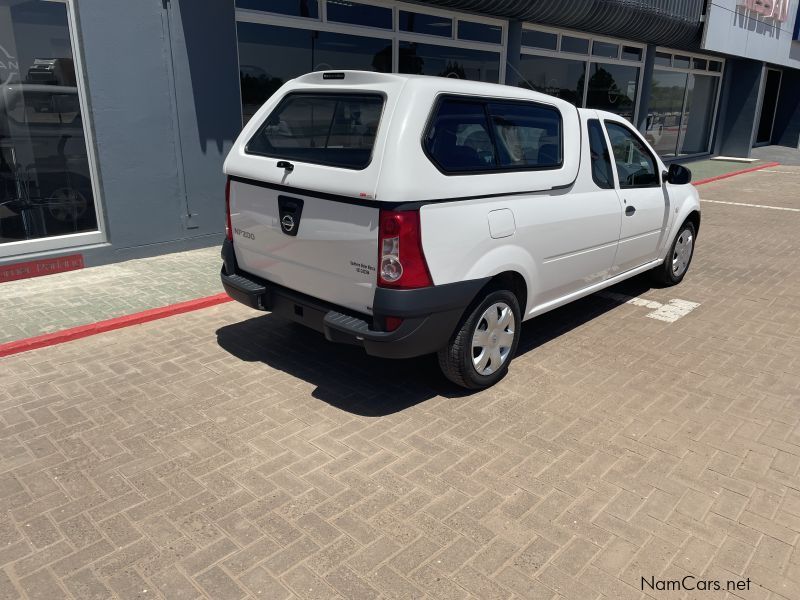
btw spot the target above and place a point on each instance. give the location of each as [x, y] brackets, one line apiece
[527, 135]
[45, 182]
[480, 32]
[327, 129]
[613, 88]
[636, 167]
[699, 113]
[605, 49]
[446, 61]
[458, 139]
[665, 111]
[426, 24]
[540, 39]
[559, 77]
[293, 8]
[680, 61]
[269, 56]
[600, 157]
[700, 63]
[714, 65]
[663, 59]
[574, 44]
[356, 13]
[631, 53]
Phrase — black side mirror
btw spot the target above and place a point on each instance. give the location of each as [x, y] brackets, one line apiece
[678, 174]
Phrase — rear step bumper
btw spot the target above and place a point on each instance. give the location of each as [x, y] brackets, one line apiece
[430, 315]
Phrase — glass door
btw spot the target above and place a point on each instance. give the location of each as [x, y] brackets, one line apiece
[769, 102]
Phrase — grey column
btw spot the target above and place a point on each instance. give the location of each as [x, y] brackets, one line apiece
[643, 103]
[740, 103]
[514, 46]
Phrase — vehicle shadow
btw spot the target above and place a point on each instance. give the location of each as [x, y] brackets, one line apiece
[348, 379]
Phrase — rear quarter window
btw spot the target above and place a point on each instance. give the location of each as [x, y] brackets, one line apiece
[327, 129]
[473, 135]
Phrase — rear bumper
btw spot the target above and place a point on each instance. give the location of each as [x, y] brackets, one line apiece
[430, 315]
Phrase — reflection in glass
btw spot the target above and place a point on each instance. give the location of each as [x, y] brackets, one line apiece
[356, 13]
[45, 185]
[293, 8]
[665, 110]
[613, 88]
[559, 77]
[631, 53]
[699, 113]
[425, 24]
[269, 56]
[573, 44]
[539, 39]
[444, 61]
[480, 32]
[606, 49]
[663, 59]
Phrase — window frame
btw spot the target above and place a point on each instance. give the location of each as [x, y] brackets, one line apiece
[485, 101]
[328, 94]
[656, 163]
[604, 140]
[589, 58]
[19, 248]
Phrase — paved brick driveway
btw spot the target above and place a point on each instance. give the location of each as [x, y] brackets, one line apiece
[226, 454]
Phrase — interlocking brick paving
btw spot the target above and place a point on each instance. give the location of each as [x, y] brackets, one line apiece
[31, 307]
[228, 454]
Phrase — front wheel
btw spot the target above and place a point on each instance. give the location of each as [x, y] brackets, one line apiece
[479, 352]
[677, 262]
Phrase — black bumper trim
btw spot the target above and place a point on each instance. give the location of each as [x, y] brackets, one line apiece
[430, 315]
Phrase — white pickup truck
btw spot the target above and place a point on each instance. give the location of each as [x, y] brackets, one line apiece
[414, 215]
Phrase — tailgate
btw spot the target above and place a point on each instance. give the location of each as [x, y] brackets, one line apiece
[320, 247]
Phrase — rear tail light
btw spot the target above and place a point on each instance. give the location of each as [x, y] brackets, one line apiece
[228, 228]
[401, 262]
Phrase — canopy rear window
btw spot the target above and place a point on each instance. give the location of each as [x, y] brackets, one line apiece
[326, 129]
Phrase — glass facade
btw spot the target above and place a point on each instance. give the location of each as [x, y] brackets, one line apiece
[683, 101]
[447, 61]
[270, 55]
[275, 45]
[45, 181]
[606, 77]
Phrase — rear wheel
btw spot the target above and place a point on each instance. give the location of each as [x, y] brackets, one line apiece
[479, 352]
[677, 261]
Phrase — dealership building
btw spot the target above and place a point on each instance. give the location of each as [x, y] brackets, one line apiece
[115, 117]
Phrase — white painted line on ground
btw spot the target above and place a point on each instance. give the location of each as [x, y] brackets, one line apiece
[752, 205]
[774, 171]
[669, 313]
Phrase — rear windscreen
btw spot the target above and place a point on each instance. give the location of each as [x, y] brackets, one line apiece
[326, 129]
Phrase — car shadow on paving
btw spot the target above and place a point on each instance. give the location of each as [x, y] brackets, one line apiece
[347, 378]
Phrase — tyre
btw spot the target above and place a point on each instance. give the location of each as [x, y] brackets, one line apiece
[480, 350]
[677, 261]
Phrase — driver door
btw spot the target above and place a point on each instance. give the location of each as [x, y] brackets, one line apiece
[644, 202]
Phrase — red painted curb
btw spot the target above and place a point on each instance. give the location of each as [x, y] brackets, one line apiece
[82, 331]
[733, 173]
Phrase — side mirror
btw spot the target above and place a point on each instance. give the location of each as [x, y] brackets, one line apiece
[678, 174]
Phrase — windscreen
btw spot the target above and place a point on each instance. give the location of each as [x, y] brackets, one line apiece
[327, 129]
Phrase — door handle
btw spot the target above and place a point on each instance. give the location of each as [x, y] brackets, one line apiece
[629, 211]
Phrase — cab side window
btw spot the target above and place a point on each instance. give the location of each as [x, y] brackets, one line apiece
[636, 167]
[600, 158]
[476, 135]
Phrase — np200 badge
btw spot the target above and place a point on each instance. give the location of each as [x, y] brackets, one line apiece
[244, 234]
